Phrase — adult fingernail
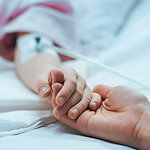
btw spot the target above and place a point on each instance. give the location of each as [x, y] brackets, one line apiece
[43, 90]
[75, 113]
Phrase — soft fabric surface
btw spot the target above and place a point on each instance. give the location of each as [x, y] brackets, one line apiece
[129, 54]
[20, 113]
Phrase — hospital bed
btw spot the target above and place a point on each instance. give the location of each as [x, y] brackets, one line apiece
[129, 54]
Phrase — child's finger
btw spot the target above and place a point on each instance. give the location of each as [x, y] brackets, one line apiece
[55, 76]
[56, 87]
[68, 88]
[74, 99]
[62, 110]
[79, 108]
[95, 102]
[43, 90]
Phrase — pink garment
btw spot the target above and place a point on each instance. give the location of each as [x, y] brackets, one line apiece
[8, 40]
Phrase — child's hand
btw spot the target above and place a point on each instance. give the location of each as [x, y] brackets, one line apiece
[70, 94]
[121, 117]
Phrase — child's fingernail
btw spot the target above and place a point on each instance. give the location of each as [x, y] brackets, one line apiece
[75, 112]
[43, 90]
[94, 104]
[60, 101]
[57, 115]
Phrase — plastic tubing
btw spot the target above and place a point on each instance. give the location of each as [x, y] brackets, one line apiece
[99, 64]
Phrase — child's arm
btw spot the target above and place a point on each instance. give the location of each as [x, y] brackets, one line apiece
[74, 95]
[35, 70]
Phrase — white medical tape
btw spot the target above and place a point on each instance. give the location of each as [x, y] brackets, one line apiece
[30, 45]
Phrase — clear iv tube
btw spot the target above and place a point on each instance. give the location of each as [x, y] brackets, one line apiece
[101, 65]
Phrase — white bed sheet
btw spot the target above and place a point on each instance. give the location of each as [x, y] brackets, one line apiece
[54, 136]
[130, 54]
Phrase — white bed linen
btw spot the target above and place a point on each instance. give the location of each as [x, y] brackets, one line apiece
[56, 136]
[130, 54]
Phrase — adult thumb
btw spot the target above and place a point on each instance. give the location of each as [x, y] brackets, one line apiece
[102, 90]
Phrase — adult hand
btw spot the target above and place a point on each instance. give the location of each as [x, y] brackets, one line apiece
[119, 119]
